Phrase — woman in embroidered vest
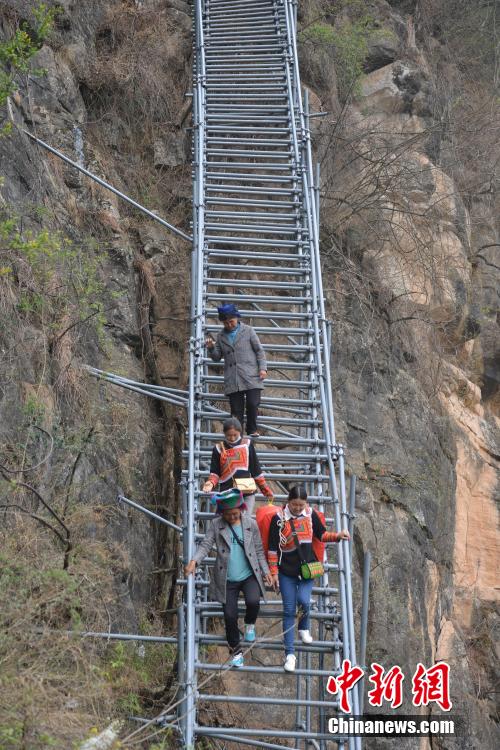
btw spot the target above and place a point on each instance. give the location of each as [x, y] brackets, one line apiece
[245, 367]
[240, 565]
[235, 459]
[285, 562]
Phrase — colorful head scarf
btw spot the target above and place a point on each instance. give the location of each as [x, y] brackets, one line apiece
[228, 500]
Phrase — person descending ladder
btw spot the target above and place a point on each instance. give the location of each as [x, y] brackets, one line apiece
[256, 245]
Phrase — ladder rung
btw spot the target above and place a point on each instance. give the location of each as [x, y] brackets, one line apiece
[253, 23]
[272, 316]
[269, 330]
[243, 254]
[271, 383]
[228, 117]
[235, 77]
[299, 646]
[262, 11]
[293, 348]
[251, 284]
[249, 189]
[265, 419]
[249, 178]
[287, 218]
[248, 154]
[280, 455]
[244, 68]
[207, 667]
[243, 129]
[267, 700]
[237, 735]
[268, 270]
[250, 86]
[244, 108]
[249, 165]
[273, 476]
[272, 40]
[251, 229]
[249, 141]
[223, 51]
[247, 202]
[266, 400]
[275, 299]
[242, 241]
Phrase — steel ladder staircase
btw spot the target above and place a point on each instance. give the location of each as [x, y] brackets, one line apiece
[256, 243]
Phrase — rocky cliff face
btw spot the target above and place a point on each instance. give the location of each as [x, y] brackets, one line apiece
[410, 247]
[410, 269]
[106, 288]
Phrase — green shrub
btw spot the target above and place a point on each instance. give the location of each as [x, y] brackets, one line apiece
[16, 52]
[347, 41]
[59, 282]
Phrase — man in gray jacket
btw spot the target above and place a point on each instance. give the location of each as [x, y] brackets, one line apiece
[245, 366]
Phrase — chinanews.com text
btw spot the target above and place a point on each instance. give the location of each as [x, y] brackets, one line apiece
[387, 726]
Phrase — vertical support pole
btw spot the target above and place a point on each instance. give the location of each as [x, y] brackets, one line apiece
[316, 192]
[328, 340]
[352, 505]
[308, 694]
[189, 703]
[364, 623]
[196, 341]
[298, 696]
[181, 676]
[349, 614]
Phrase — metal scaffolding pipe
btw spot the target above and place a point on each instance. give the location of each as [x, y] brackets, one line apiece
[364, 623]
[150, 513]
[352, 506]
[244, 732]
[248, 742]
[265, 700]
[109, 187]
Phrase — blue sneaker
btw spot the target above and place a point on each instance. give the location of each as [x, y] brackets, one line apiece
[250, 633]
[237, 660]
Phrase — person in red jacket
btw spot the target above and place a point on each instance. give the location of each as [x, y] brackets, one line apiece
[285, 561]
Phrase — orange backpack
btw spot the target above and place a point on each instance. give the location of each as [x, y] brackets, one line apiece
[265, 514]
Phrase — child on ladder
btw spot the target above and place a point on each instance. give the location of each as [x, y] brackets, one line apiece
[293, 564]
[240, 566]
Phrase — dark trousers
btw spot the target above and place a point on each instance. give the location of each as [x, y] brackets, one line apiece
[251, 593]
[237, 403]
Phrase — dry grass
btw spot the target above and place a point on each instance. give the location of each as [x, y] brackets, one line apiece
[139, 72]
[55, 688]
[50, 691]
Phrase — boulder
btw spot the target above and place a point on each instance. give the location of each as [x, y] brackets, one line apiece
[398, 88]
